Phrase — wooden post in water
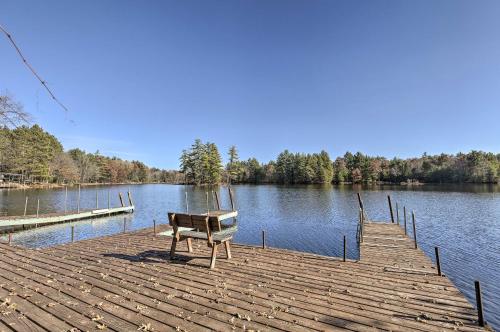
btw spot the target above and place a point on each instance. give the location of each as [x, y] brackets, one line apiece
[414, 228]
[109, 200]
[438, 263]
[479, 304]
[361, 224]
[78, 204]
[362, 221]
[66, 200]
[121, 199]
[208, 207]
[154, 227]
[344, 248]
[361, 204]
[72, 233]
[213, 200]
[37, 206]
[404, 212]
[25, 205]
[96, 199]
[187, 204]
[232, 202]
[10, 239]
[217, 200]
[131, 203]
[231, 197]
[263, 239]
[358, 233]
[397, 213]
[360, 201]
[390, 208]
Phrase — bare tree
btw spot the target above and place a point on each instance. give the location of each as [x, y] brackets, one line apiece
[64, 168]
[12, 113]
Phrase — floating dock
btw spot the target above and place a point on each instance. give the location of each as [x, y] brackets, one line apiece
[126, 282]
[11, 223]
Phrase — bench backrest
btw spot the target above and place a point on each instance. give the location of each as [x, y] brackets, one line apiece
[200, 222]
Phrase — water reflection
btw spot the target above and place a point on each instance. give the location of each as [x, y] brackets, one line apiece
[463, 220]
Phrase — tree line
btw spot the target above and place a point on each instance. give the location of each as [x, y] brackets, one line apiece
[38, 157]
[201, 164]
[28, 154]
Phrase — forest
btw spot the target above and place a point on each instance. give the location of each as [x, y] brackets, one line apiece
[29, 154]
[39, 157]
[201, 164]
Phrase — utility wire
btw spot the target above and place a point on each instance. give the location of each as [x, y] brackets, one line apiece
[32, 69]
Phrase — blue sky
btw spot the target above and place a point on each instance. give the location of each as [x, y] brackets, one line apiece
[143, 79]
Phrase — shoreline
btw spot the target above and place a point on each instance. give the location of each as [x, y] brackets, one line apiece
[17, 186]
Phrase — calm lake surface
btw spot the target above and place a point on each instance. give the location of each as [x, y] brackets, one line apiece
[462, 220]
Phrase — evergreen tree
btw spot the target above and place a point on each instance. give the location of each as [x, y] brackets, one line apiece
[233, 166]
[214, 169]
[202, 164]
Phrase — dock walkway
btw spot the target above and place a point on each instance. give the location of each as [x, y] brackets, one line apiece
[13, 223]
[126, 282]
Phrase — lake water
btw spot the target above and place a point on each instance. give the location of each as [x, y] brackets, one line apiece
[462, 220]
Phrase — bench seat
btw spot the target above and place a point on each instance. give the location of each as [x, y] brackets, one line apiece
[170, 232]
[221, 236]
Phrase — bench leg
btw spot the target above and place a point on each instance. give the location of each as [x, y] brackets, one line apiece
[214, 254]
[228, 250]
[189, 244]
[172, 248]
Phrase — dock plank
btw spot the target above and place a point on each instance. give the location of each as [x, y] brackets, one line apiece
[128, 282]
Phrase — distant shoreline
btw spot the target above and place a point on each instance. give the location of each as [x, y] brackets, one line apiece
[93, 184]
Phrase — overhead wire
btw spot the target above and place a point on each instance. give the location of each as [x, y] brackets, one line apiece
[30, 67]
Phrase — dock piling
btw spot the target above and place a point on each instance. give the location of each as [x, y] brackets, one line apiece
[390, 208]
[361, 205]
[362, 220]
[263, 239]
[66, 200]
[10, 239]
[438, 263]
[414, 228]
[154, 227]
[217, 200]
[397, 213]
[360, 201]
[37, 206]
[404, 212]
[231, 197]
[213, 201]
[78, 203]
[73, 233]
[96, 199]
[344, 247]
[121, 199]
[131, 203]
[479, 304]
[25, 205]
[109, 200]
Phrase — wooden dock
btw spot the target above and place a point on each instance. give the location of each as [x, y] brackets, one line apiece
[126, 282]
[10, 223]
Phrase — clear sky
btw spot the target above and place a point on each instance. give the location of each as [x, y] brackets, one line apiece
[143, 79]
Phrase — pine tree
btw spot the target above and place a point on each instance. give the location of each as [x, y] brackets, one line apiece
[214, 172]
[233, 166]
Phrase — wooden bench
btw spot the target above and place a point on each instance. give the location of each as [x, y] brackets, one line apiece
[204, 227]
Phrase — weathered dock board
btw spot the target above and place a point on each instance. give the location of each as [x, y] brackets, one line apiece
[8, 223]
[126, 282]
